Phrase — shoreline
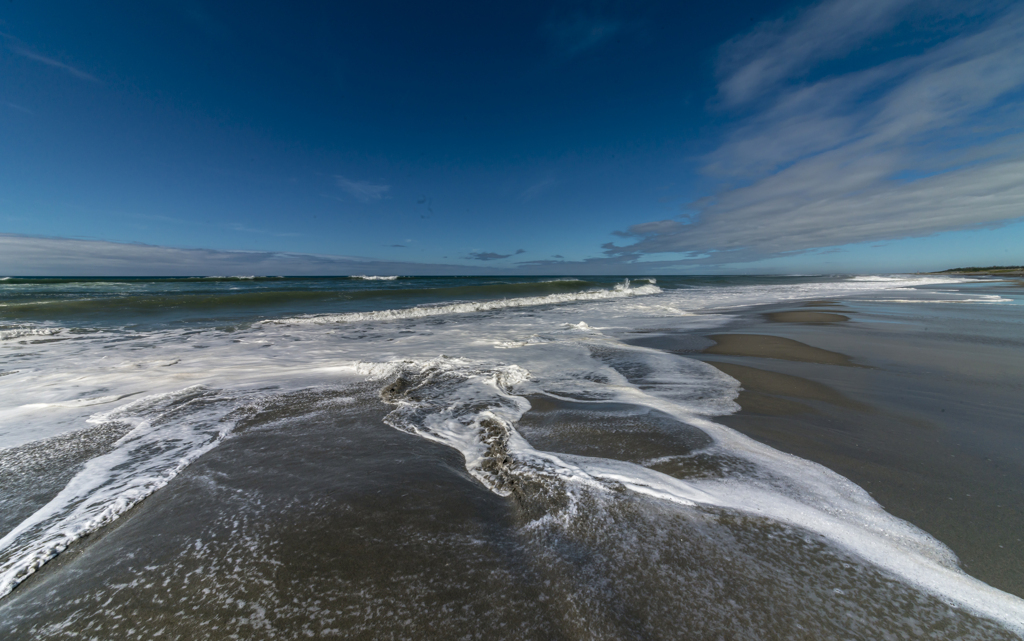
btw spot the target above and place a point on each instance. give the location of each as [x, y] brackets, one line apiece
[934, 450]
[317, 515]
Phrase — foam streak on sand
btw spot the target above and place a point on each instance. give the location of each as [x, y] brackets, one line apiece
[475, 410]
[168, 431]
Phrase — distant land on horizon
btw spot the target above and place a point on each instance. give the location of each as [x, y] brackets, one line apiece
[995, 270]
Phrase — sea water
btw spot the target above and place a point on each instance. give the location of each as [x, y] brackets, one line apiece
[111, 388]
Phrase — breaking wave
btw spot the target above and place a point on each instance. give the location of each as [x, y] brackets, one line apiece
[622, 290]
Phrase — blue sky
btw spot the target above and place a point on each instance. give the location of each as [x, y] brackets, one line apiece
[559, 137]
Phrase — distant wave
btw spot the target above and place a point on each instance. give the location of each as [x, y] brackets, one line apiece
[374, 277]
[237, 278]
[876, 278]
[621, 290]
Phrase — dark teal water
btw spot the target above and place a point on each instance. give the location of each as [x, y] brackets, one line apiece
[212, 300]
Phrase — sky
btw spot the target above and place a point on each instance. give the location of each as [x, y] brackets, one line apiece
[188, 137]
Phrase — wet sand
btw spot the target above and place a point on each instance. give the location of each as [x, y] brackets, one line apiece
[335, 525]
[327, 526]
[805, 317]
[929, 423]
[762, 346]
[766, 392]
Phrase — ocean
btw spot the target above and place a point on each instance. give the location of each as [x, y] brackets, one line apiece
[446, 457]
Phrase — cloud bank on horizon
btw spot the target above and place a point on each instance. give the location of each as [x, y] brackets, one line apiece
[909, 146]
[38, 256]
[34, 256]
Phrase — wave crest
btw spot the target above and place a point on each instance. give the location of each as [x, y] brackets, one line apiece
[621, 290]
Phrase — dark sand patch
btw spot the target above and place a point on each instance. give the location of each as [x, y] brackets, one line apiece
[620, 432]
[762, 346]
[761, 389]
[805, 317]
[671, 342]
[822, 303]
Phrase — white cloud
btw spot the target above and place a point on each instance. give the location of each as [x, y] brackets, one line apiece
[910, 147]
[361, 190]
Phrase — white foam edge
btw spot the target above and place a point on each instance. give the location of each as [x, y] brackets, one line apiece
[949, 583]
[846, 515]
[88, 507]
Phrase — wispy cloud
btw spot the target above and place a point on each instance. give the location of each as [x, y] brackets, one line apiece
[10, 104]
[25, 52]
[576, 32]
[777, 50]
[492, 255]
[910, 147]
[538, 189]
[361, 190]
[242, 227]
